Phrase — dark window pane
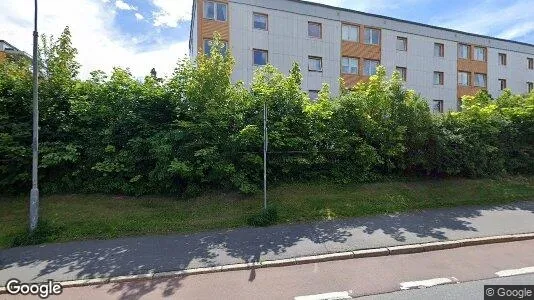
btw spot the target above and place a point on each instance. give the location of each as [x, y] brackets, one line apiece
[221, 12]
[260, 21]
[260, 57]
[314, 30]
[207, 47]
[209, 10]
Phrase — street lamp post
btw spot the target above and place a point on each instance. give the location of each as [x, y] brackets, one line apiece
[265, 141]
[34, 194]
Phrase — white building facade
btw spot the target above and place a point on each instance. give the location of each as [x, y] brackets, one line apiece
[331, 43]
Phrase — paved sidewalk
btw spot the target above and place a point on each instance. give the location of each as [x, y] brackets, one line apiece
[127, 256]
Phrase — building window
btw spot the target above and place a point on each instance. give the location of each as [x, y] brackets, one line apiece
[439, 50]
[314, 94]
[530, 63]
[350, 33]
[315, 30]
[207, 47]
[315, 64]
[502, 83]
[480, 80]
[215, 10]
[402, 71]
[502, 59]
[464, 78]
[260, 21]
[463, 51]
[437, 106]
[370, 67]
[438, 78]
[372, 36]
[530, 87]
[402, 43]
[349, 65]
[261, 57]
[480, 54]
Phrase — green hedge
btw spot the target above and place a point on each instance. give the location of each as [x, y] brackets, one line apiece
[196, 130]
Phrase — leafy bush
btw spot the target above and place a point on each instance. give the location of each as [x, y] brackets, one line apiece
[196, 130]
[43, 233]
[264, 218]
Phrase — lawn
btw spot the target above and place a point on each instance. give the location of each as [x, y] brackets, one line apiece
[81, 217]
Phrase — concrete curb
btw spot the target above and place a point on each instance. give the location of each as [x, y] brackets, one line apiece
[395, 250]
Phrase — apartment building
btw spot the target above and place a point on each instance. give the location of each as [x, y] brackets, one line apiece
[8, 50]
[330, 42]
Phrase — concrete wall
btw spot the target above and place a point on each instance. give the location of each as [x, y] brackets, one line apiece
[287, 41]
[420, 64]
[193, 43]
[515, 72]
[340, 14]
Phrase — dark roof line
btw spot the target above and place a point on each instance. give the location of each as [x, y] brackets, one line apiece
[410, 22]
[11, 46]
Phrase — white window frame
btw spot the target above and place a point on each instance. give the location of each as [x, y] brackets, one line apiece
[346, 33]
[367, 68]
[440, 76]
[485, 79]
[468, 52]
[311, 67]
[530, 63]
[369, 36]
[530, 87]
[468, 75]
[349, 63]
[477, 58]
[215, 6]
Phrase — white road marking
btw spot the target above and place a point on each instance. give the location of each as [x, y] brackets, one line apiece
[327, 296]
[506, 273]
[427, 283]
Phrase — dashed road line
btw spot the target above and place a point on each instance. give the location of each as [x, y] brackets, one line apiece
[427, 283]
[513, 272]
[327, 296]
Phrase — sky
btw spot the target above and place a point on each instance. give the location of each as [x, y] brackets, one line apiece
[146, 34]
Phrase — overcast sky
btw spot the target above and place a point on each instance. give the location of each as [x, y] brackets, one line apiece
[142, 34]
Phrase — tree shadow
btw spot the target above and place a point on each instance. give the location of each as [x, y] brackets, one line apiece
[129, 256]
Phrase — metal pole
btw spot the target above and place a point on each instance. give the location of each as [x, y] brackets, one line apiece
[34, 194]
[265, 141]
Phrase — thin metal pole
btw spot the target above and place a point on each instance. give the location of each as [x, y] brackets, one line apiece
[265, 141]
[34, 194]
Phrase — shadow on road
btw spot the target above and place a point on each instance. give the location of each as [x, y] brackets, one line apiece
[93, 259]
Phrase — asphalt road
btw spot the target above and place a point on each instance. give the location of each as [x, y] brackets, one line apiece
[467, 290]
[356, 277]
[141, 255]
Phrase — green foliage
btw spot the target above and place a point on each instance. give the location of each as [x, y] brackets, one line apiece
[264, 218]
[45, 232]
[196, 130]
[489, 137]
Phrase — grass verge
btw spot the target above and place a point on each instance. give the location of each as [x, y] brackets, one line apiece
[81, 217]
